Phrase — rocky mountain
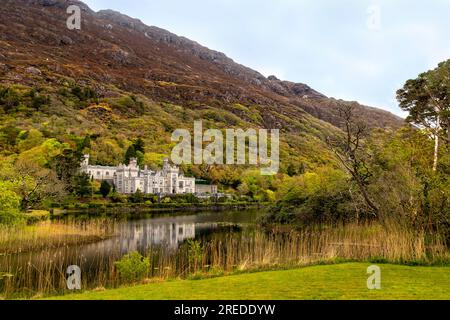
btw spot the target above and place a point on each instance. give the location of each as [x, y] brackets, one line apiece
[112, 48]
[117, 79]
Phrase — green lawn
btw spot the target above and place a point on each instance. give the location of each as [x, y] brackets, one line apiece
[342, 281]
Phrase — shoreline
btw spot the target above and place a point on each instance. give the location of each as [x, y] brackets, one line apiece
[155, 208]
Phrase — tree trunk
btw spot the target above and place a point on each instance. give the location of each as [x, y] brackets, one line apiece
[366, 196]
[448, 133]
[436, 145]
[436, 152]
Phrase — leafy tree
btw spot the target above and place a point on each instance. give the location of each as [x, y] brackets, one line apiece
[9, 203]
[85, 143]
[8, 136]
[9, 200]
[105, 189]
[352, 155]
[38, 100]
[427, 99]
[9, 99]
[34, 184]
[30, 139]
[67, 166]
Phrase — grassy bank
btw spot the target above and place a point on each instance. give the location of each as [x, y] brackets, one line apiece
[343, 281]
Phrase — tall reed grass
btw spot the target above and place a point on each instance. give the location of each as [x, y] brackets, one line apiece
[43, 273]
[47, 234]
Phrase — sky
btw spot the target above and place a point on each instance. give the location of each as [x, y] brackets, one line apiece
[357, 50]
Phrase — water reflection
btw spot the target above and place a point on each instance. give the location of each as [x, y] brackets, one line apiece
[169, 232]
[140, 235]
[160, 238]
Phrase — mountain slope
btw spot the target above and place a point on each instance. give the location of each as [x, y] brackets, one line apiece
[117, 79]
[114, 48]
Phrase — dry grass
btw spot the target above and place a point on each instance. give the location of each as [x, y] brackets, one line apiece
[261, 250]
[44, 235]
[222, 254]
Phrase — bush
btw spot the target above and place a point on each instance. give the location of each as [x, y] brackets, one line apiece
[9, 204]
[35, 216]
[133, 266]
[11, 217]
[137, 197]
[118, 198]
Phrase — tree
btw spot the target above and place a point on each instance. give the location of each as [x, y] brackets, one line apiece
[139, 145]
[427, 99]
[9, 203]
[350, 153]
[140, 157]
[9, 200]
[30, 139]
[105, 189]
[136, 150]
[67, 166]
[35, 184]
[131, 153]
[82, 185]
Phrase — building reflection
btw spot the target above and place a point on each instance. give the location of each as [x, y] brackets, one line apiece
[140, 236]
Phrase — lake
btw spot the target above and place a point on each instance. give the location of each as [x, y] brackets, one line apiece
[161, 237]
[190, 245]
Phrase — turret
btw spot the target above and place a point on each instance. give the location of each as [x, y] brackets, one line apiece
[166, 165]
[85, 161]
[133, 163]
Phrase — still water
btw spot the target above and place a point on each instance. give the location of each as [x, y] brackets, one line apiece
[162, 237]
[168, 232]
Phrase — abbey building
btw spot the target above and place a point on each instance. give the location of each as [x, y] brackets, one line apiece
[127, 179]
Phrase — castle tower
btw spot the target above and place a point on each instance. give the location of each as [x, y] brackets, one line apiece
[133, 163]
[166, 165]
[85, 161]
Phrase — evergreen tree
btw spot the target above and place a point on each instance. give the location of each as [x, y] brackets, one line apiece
[105, 189]
[139, 145]
[131, 153]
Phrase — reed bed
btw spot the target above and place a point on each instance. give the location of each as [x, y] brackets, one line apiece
[47, 234]
[30, 274]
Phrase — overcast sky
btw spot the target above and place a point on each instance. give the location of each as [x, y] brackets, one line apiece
[351, 49]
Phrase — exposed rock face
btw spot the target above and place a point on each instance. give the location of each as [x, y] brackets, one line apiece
[113, 48]
[33, 71]
[65, 40]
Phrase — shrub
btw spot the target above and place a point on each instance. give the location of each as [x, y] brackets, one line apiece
[195, 254]
[133, 266]
[35, 216]
[118, 198]
[9, 204]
